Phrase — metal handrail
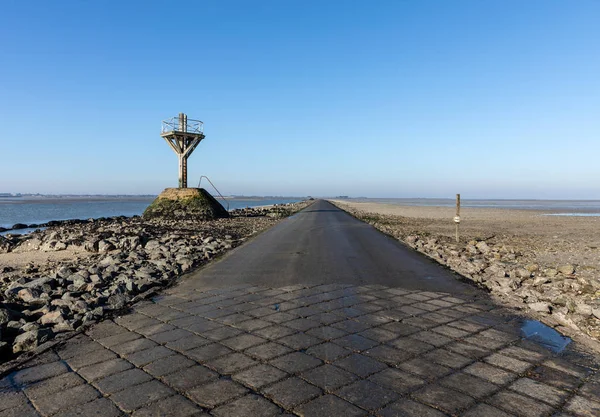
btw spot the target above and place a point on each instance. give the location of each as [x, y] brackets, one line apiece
[213, 186]
[172, 125]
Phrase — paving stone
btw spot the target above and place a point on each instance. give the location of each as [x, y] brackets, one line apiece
[590, 390]
[12, 399]
[25, 410]
[231, 363]
[37, 373]
[409, 408]
[144, 357]
[447, 358]
[202, 325]
[355, 342]
[168, 365]
[215, 393]
[243, 341]
[500, 335]
[468, 350]
[274, 332]
[175, 406]
[208, 352]
[132, 398]
[221, 333]
[302, 324]
[522, 354]
[351, 326]
[189, 377]
[118, 339]
[431, 338]
[484, 410]
[234, 318]
[259, 376]
[252, 325]
[581, 406]
[328, 377]
[98, 356]
[554, 377]
[328, 352]
[77, 346]
[406, 344]
[299, 341]
[360, 365]
[388, 354]
[48, 387]
[485, 342]
[443, 398]
[519, 405]
[467, 325]
[568, 367]
[539, 391]
[122, 380]
[367, 395]
[469, 384]
[133, 346]
[103, 369]
[424, 368]
[401, 329]
[329, 405]
[135, 321]
[100, 407]
[65, 399]
[249, 406]
[291, 392]
[279, 317]
[326, 332]
[490, 373]
[326, 318]
[295, 362]
[506, 362]
[104, 329]
[267, 351]
[396, 380]
[187, 343]
[169, 335]
[155, 328]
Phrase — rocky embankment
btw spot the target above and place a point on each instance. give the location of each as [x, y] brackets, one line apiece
[560, 294]
[115, 262]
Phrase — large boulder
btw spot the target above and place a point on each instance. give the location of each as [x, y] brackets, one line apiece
[185, 204]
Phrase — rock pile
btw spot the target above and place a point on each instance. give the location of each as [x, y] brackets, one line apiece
[121, 260]
[562, 294]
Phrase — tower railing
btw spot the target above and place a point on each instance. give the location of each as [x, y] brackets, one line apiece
[174, 125]
[213, 186]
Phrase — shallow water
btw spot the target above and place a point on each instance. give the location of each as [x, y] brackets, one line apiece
[42, 210]
[566, 206]
[544, 335]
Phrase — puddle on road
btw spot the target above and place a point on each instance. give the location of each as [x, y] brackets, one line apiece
[543, 335]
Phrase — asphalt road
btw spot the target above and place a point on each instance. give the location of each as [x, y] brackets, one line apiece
[323, 244]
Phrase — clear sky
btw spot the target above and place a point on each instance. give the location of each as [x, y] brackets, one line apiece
[422, 98]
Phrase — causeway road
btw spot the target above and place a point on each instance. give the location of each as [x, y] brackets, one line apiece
[321, 315]
[325, 245]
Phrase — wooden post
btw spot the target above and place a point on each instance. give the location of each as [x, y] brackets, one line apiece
[457, 218]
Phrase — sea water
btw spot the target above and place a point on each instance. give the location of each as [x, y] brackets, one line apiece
[38, 210]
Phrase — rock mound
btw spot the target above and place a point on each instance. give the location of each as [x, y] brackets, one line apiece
[185, 204]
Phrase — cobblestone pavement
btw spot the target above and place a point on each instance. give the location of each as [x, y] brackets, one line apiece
[328, 350]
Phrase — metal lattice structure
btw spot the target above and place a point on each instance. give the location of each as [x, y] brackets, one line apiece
[183, 136]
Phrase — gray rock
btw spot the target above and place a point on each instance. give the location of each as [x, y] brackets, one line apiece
[31, 339]
[483, 247]
[540, 307]
[53, 317]
[105, 246]
[551, 272]
[566, 269]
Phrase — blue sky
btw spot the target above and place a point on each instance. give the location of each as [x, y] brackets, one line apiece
[427, 98]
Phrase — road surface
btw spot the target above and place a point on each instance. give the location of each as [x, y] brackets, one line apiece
[323, 244]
